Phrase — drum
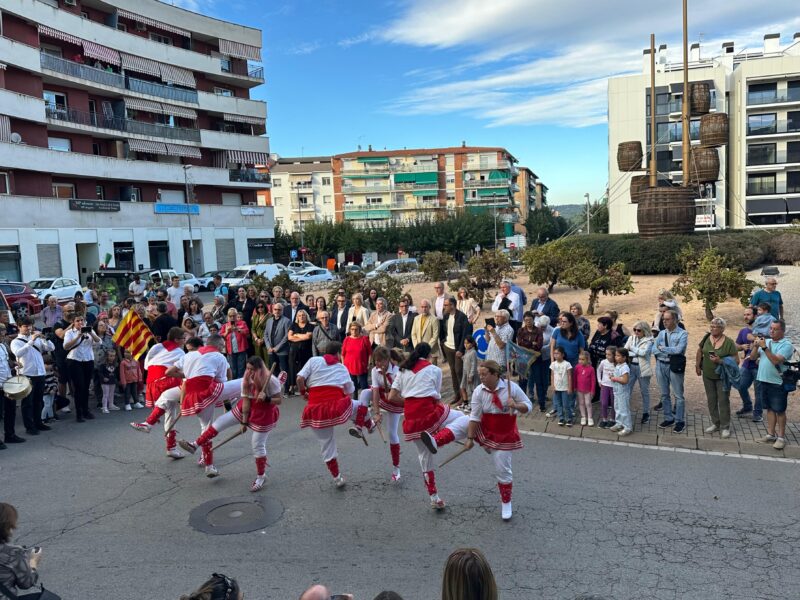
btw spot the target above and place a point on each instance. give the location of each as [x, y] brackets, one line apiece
[17, 388]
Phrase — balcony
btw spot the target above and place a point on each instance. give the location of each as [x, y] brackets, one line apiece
[487, 183]
[221, 140]
[20, 55]
[497, 165]
[781, 157]
[416, 168]
[372, 189]
[773, 128]
[373, 171]
[20, 106]
[249, 176]
[57, 115]
[162, 91]
[772, 189]
[760, 98]
[81, 71]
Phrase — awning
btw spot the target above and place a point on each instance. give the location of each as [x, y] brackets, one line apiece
[367, 214]
[373, 159]
[248, 158]
[180, 111]
[140, 64]
[184, 151]
[2, 67]
[239, 50]
[173, 74]
[144, 105]
[498, 174]
[773, 206]
[499, 192]
[148, 147]
[5, 128]
[152, 22]
[404, 177]
[59, 35]
[99, 52]
[432, 192]
[426, 177]
[244, 119]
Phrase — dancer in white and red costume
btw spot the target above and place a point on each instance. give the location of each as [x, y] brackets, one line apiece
[493, 424]
[257, 409]
[163, 363]
[327, 384]
[417, 388]
[383, 375]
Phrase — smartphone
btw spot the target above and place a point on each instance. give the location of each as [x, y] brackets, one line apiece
[491, 322]
[86, 329]
[47, 330]
[712, 354]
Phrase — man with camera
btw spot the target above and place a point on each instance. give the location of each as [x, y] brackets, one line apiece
[28, 347]
[771, 355]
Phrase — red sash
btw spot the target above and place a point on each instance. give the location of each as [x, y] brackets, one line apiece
[327, 406]
[158, 383]
[499, 432]
[384, 401]
[263, 415]
[423, 414]
[200, 393]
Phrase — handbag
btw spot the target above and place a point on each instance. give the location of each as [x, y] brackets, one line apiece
[677, 362]
[41, 595]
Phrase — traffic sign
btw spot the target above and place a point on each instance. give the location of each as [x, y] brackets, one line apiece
[293, 254]
[512, 245]
[480, 343]
[304, 250]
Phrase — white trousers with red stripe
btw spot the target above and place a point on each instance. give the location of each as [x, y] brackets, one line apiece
[456, 419]
[258, 439]
[392, 420]
[327, 439]
[170, 402]
[501, 458]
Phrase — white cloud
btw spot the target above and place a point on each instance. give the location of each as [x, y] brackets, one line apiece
[357, 39]
[304, 48]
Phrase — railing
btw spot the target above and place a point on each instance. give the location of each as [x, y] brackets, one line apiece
[162, 91]
[71, 115]
[306, 185]
[756, 98]
[768, 189]
[781, 157]
[410, 168]
[378, 189]
[498, 165]
[257, 73]
[372, 170]
[248, 176]
[774, 128]
[487, 183]
[81, 71]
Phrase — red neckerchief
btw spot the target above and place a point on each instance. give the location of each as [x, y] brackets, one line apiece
[495, 397]
[169, 346]
[207, 349]
[330, 359]
[421, 364]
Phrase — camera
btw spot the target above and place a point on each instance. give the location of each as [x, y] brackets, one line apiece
[86, 329]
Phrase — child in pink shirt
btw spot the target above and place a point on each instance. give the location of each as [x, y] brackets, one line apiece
[585, 382]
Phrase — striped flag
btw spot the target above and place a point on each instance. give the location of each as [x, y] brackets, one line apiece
[132, 334]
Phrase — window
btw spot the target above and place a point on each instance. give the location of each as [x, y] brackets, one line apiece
[225, 64]
[223, 92]
[326, 181]
[450, 178]
[136, 194]
[303, 201]
[793, 182]
[793, 152]
[762, 93]
[451, 197]
[276, 182]
[279, 221]
[51, 50]
[4, 186]
[793, 91]
[761, 124]
[662, 104]
[60, 144]
[694, 129]
[277, 200]
[161, 39]
[348, 201]
[99, 192]
[96, 149]
[326, 199]
[55, 100]
[761, 184]
[761, 154]
[122, 27]
[63, 190]
[793, 121]
[373, 201]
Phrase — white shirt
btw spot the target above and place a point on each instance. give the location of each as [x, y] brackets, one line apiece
[317, 372]
[210, 364]
[83, 350]
[404, 319]
[561, 374]
[158, 355]
[426, 382]
[450, 337]
[493, 352]
[29, 354]
[377, 376]
[137, 289]
[513, 309]
[174, 294]
[87, 297]
[605, 371]
[481, 401]
[438, 306]
[5, 370]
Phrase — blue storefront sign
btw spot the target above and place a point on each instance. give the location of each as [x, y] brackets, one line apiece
[176, 209]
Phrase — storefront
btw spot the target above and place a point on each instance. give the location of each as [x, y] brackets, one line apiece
[259, 250]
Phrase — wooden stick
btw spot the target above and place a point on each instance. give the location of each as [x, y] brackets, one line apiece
[454, 456]
[380, 431]
[222, 443]
[175, 422]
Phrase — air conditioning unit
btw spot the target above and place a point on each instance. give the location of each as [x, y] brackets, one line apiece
[139, 26]
[252, 204]
[69, 2]
[133, 198]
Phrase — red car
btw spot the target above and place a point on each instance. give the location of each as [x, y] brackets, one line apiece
[21, 298]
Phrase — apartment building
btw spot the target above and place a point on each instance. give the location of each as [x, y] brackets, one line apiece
[396, 187]
[531, 195]
[127, 131]
[301, 192]
[759, 181]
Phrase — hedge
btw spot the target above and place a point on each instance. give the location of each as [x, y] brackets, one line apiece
[747, 249]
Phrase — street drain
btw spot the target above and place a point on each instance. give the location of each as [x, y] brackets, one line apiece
[238, 514]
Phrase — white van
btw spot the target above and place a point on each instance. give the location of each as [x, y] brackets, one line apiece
[243, 275]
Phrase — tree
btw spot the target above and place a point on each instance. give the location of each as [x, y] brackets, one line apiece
[388, 287]
[586, 273]
[283, 244]
[598, 219]
[708, 276]
[541, 226]
[321, 238]
[436, 264]
[486, 270]
[545, 264]
[282, 280]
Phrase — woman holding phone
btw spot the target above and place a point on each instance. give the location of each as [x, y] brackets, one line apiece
[79, 339]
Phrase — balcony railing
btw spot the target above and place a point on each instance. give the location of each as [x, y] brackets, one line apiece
[774, 128]
[402, 187]
[256, 73]
[81, 71]
[372, 170]
[768, 189]
[162, 91]
[781, 157]
[487, 183]
[248, 176]
[376, 189]
[486, 166]
[412, 168]
[303, 186]
[756, 98]
[79, 117]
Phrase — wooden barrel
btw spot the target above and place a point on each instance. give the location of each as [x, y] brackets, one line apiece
[700, 98]
[666, 211]
[714, 130]
[629, 156]
[703, 165]
[639, 183]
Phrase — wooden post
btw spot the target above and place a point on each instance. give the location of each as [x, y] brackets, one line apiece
[653, 176]
[686, 99]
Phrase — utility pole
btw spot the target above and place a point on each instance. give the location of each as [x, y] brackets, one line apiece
[588, 215]
[189, 214]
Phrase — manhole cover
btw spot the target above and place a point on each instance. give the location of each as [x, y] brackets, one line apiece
[239, 514]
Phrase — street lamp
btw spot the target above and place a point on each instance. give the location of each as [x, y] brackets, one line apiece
[189, 214]
[588, 215]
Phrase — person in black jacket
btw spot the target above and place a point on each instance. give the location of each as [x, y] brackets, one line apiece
[163, 322]
[454, 328]
[339, 316]
[398, 335]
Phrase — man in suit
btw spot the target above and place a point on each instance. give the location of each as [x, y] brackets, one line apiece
[545, 305]
[339, 316]
[454, 328]
[426, 329]
[295, 304]
[400, 325]
[276, 339]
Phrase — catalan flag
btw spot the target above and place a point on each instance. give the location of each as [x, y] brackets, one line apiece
[132, 334]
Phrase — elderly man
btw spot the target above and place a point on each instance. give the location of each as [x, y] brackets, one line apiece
[339, 315]
[771, 354]
[378, 323]
[454, 328]
[400, 327]
[771, 296]
[497, 336]
[545, 305]
[324, 333]
[52, 313]
[188, 290]
[295, 305]
[276, 339]
[670, 353]
[438, 301]
[508, 300]
[426, 329]
[277, 295]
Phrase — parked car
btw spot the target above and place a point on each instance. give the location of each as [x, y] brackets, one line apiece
[5, 309]
[312, 275]
[207, 279]
[63, 288]
[300, 265]
[21, 298]
[243, 274]
[189, 279]
[351, 269]
[395, 266]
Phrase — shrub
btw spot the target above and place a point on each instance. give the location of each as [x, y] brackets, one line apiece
[609, 281]
[546, 264]
[486, 270]
[282, 280]
[436, 264]
[388, 287]
[784, 248]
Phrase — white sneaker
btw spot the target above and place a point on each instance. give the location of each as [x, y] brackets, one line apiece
[583, 420]
[616, 428]
[711, 429]
[211, 471]
[338, 481]
[436, 502]
[551, 413]
[505, 511]
[258, 483]
[190, 447]
[726, 433]
[128, 407]
[396, 475]
[105, 411]
[590, 423]
[175, 453]
[143, 427]
[65, 410]
[138, 405]
[625, 432]
[113, 407]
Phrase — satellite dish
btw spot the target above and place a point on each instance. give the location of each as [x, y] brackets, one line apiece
[467, 177]
[16, 138]
[392, 161]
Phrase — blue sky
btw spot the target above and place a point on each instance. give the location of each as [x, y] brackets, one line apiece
[529, 75]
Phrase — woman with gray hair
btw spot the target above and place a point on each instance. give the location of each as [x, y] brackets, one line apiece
[715, 349]
[640, 348]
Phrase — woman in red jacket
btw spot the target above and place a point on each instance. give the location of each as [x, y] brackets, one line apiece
[237, 340]
[356, 350]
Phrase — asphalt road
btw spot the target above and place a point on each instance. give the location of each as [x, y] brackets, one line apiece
[111, 513]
